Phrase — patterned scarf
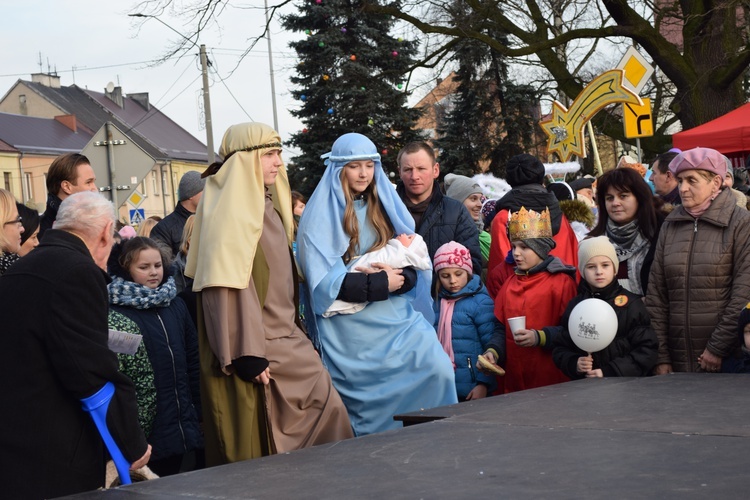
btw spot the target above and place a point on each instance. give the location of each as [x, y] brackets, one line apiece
[631, 247]
[127, 293]
[6, 260]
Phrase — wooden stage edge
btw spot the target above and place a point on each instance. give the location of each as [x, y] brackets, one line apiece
[675, 436]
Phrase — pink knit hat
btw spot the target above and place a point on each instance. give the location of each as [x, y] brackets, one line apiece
[453, 254]
[127, 232]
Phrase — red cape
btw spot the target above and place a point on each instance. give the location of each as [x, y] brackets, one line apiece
[542, 298]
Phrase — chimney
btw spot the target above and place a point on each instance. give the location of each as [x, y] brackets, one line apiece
[69, 121]
[115, 95]
[142, 99]
[46, 79]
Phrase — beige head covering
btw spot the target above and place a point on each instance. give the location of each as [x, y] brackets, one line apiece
[229, 219]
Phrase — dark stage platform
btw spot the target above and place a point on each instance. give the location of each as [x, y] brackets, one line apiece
[676, 436]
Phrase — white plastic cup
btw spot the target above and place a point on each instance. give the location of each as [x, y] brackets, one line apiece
[517, 323]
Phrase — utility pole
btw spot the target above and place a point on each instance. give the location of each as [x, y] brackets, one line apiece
[110, 143]
[270, 67]
[206, 98]
[207, 106]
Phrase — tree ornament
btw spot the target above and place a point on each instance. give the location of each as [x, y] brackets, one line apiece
[362, 88]
[385, 151]
[399, 86]
[343, 30]
[371, 122]
[400, 40]
[304, 130]
[352, 57]
[326, 77]
[321, 44]
[394, 53]
[318, 2]
[307, 32]
[303, 97]
[330, 111]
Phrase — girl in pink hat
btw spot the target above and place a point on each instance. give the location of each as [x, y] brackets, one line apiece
[465, 319]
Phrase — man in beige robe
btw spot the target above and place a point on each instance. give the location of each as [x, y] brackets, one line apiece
[264, 389]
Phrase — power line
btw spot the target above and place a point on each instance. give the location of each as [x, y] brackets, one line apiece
[150, 114]
[84, 68]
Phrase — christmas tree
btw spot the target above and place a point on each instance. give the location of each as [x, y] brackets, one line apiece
[350, 78]
[489, 119]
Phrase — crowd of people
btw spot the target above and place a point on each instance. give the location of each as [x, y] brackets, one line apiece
[251, 321]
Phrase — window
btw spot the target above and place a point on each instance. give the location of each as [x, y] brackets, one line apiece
[28, 185]
[164, 183]
[142, 188]
[154, 183]
[6, 177]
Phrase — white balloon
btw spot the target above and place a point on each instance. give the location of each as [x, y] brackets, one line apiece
[592, 325]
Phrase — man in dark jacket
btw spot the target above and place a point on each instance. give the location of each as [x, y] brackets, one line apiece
[169, 229]
[664, 181]
[53, 312]
[437, 218]
[69, 174]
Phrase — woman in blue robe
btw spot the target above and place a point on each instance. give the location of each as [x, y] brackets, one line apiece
[385, 359]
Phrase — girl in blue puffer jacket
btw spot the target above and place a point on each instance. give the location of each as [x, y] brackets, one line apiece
[465, 319]
[142, 291]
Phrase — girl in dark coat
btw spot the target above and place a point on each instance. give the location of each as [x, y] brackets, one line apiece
[142, 291]
[633, 351]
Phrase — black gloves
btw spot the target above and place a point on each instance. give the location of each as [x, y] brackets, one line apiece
[249, 367]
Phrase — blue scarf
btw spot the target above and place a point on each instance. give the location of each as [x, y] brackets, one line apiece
[128, 293]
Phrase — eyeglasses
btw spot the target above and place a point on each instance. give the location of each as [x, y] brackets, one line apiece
[18, 221]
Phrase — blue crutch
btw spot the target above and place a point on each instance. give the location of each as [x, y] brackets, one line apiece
[97, 406]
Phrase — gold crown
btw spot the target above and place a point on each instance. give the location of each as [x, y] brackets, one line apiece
[527, 224]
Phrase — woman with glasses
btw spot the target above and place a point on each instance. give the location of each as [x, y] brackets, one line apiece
[10, 237]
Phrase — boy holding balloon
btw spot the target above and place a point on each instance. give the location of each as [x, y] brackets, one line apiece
[606, 330]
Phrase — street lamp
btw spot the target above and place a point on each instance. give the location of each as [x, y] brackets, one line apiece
[206, 97]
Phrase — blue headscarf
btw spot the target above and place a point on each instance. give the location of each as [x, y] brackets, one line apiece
[321, 238]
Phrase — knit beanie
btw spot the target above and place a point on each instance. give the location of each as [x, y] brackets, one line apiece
[541, 246]
[730, 168]
[593, 247]
[460, 187]
[524, 169]
[127, 232]
[190, 185]
[453, 254]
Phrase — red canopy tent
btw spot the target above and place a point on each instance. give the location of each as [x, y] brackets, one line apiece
[728, 134]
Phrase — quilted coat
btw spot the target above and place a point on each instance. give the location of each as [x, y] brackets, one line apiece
[699, 283]
[472, 327]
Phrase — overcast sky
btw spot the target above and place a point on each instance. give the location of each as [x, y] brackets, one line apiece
[93, 42]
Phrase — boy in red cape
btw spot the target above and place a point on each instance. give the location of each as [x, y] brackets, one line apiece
[539, 289]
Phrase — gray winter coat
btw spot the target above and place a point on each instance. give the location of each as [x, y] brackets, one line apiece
[699, 283]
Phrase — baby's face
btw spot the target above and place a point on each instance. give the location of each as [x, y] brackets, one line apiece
[746, 331]
[405, 239]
